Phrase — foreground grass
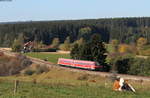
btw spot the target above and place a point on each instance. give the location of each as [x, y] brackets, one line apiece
[58, 83]
[52, 57]
[51, 90]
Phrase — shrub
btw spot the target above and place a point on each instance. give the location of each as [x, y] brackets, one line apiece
[140, 66]
[24, 61]
[130, 65]
[29, 72]
[13, 65]
[16, 46]
[120, 63]
[55, 43]
[123, 65]
[65, 47]
[125, 48]
[41, 69]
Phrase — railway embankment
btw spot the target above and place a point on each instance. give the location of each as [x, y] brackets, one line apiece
[101, 74]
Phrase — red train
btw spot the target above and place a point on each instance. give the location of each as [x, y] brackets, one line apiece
[79, 64]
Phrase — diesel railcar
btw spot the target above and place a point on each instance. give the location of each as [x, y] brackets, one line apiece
[91, 65]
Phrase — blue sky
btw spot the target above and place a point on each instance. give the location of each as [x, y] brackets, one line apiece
[36, 10]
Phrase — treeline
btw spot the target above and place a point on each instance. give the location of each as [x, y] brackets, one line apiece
[126, 30]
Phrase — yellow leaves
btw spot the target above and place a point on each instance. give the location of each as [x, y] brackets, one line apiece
[141, 41]
[123, 48]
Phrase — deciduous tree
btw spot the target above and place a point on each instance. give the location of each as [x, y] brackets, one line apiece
[55, 43]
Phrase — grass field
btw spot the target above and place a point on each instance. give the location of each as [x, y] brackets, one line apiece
[52, 57]
[59, 83]
[29, 90]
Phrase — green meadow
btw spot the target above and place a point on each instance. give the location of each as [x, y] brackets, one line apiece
[52, 57]
[62, 84]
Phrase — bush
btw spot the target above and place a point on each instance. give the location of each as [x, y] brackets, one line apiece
[16, 46]
[29, 72]
[41, 69]
[38, 69]
[13, 65]
[24, 61]
[65, 47]
[140, 66]
[123, 65]
[130, 65]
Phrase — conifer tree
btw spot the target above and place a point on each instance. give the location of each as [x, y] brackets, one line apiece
[75, 51]
[92, 51]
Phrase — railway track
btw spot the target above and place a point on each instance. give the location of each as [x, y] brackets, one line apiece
[102, 74]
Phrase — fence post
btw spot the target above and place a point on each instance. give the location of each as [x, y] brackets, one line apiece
[16, 86]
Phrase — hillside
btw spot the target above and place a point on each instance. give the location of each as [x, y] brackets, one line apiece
[12, 65]
[126, 30]
[59, 83]
[62, 82]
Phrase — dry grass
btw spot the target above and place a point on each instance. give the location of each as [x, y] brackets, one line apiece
[13, 65]
[64, 82]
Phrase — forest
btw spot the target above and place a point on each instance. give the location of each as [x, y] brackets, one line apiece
[125, 30]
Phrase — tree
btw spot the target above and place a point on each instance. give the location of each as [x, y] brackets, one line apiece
[55, 43]
[141, 42]
[17, 46]
[21, 38]
[67, 41]
[6, 41]
[80, 41]
[98, 51]
[18, 43]
[125, 48]
[85, 33]
[75, 51]
[66, 46]
[92, 51]
[85, 52]
[115, 44]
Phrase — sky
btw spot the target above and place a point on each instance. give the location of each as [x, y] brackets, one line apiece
[38, 10]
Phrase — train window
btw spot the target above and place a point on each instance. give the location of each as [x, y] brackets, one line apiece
[66, 61]
[97, 63]
[83, 63]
